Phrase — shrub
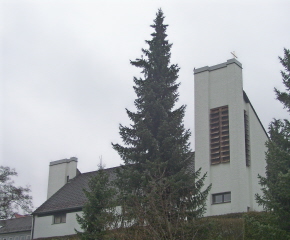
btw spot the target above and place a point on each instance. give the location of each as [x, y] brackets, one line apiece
[263, 226]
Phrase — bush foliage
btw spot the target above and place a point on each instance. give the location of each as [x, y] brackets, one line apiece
[236, 226]
[263, 226]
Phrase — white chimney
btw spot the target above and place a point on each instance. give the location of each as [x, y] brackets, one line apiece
[60, 172]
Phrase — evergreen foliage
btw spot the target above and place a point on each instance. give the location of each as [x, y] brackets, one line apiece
[158, 188]
[275, 185]
[284, 97]
[99, 212]
[263, 226]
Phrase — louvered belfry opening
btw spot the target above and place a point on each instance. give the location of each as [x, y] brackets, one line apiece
[219, 135]
[247, 139]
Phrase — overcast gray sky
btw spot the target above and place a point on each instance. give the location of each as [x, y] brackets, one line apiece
[66, 78]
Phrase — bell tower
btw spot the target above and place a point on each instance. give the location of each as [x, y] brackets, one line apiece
[229, 138]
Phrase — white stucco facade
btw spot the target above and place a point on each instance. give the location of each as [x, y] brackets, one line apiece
[217, 86]
[44, 226]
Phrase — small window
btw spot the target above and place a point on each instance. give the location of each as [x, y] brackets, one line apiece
[22, 238]
[28, 237]
[59, 218]
[221, 197]
[16, 238]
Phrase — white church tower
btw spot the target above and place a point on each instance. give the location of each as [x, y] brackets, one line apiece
[229, 139]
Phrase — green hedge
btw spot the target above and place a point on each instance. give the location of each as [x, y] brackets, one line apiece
[236, 226]
[219, 228]
[263, 226]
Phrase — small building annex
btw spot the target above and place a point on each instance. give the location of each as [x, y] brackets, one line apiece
[18, 228]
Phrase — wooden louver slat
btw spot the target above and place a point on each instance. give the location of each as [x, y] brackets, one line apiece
[247, 139]
[219, 135]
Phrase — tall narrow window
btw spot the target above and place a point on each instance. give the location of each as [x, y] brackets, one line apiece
[247, 139]
[219, 135]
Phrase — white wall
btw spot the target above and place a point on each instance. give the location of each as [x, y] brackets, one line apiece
[258, 139]
[202, 153]
[44, 226]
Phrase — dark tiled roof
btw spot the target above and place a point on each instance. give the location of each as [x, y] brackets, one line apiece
[16, 225]
[71, 195]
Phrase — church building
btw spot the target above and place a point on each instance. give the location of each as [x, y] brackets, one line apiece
[229, 146]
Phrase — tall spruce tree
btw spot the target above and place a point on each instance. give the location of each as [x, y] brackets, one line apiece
[275, 185]
[158, 186]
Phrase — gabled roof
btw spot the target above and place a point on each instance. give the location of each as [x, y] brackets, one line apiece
[247, 100]
[16, 225]
[71, 196]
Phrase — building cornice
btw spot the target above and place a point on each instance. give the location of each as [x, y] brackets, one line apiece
[218, 66]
